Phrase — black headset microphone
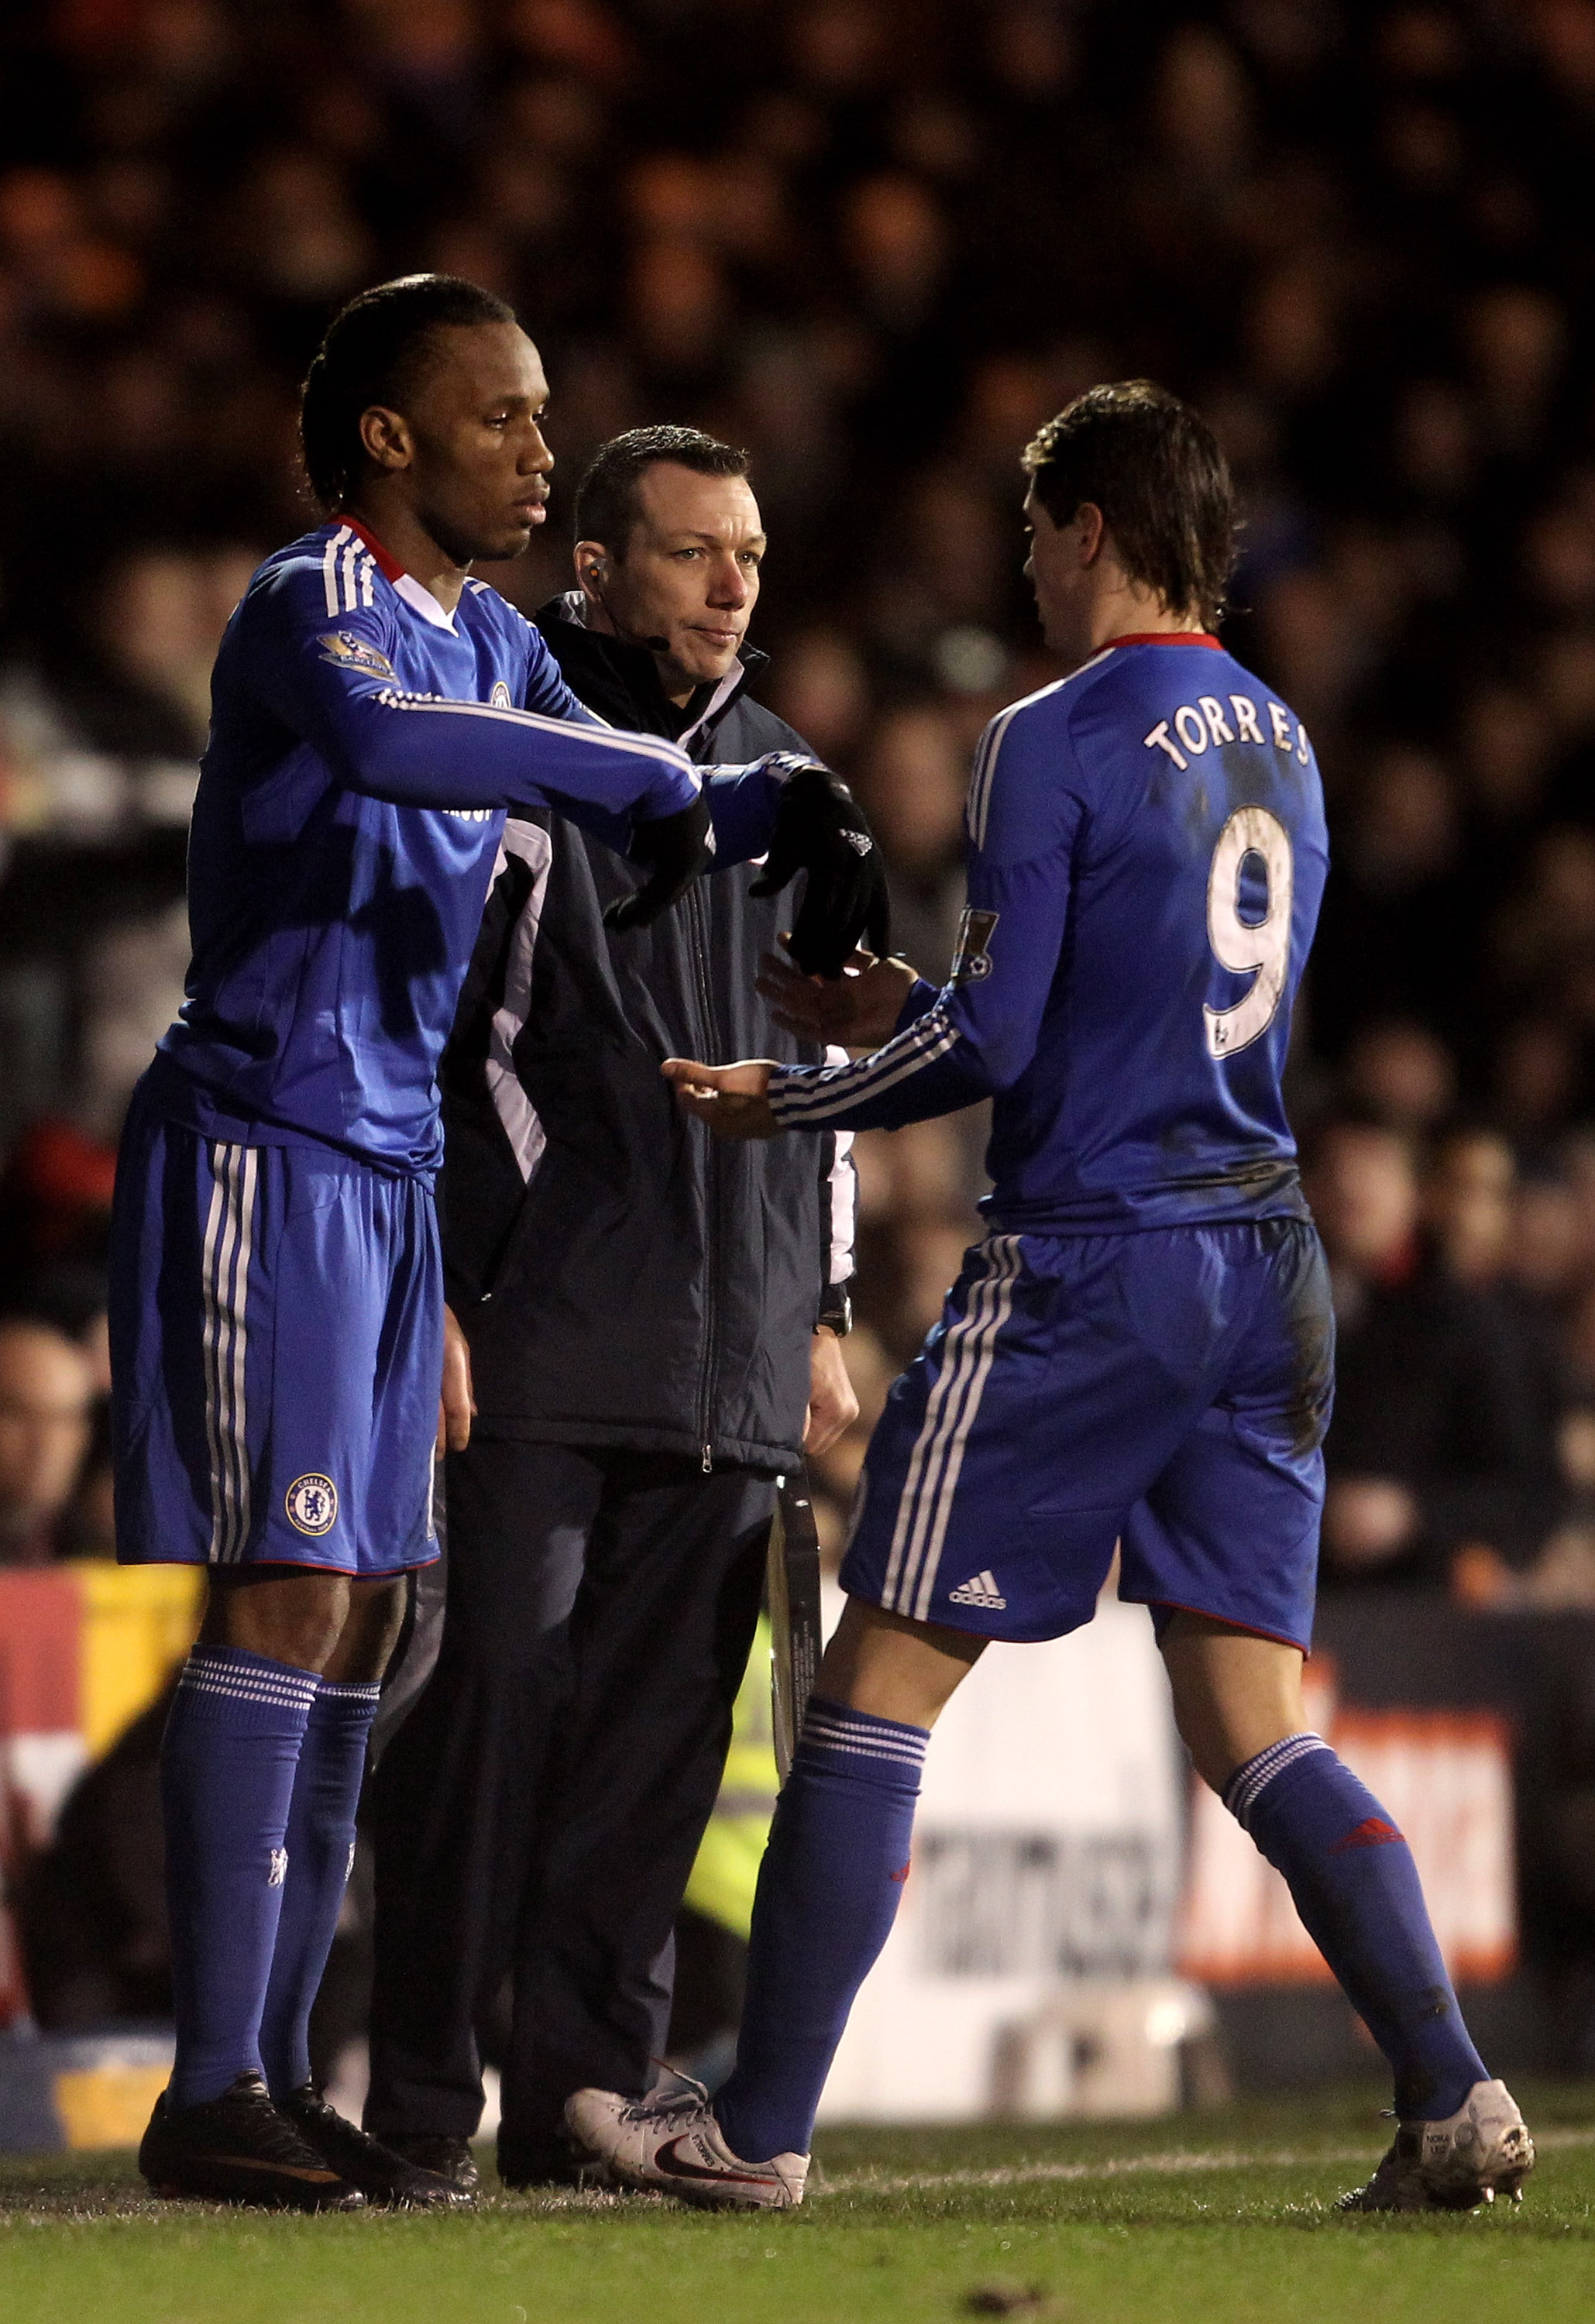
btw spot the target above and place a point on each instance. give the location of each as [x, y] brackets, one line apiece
[654, 645]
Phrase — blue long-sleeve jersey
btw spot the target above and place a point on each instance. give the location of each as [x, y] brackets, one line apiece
[1147, 855]
[364, 746]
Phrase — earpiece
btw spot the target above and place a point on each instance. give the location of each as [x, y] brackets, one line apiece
[598, 573]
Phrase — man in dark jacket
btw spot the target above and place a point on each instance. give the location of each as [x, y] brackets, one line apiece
[1446, 1390]
[653, 1321]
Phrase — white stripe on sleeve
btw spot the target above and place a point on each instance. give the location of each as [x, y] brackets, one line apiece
[329, 568]
[801, 1102]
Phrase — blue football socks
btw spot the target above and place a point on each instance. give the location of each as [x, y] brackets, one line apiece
[320, 1856]
[1353, 1882]
[228, 1763]
[828, 1893]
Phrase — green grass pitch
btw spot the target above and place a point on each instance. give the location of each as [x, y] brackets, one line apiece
[1223, 2217]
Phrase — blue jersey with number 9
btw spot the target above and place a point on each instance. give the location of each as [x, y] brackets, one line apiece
[1147, 855]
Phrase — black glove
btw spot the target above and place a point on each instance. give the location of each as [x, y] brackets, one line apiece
[820, 828]
[675, 848]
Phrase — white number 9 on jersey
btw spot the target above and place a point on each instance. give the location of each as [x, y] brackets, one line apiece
[1245, 946]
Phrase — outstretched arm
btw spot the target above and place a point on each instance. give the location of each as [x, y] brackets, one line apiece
[732, 1099]
[329, 679]
[979, 1033]
[800, 816]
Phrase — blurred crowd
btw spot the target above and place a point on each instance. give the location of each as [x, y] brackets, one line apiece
[878, 241]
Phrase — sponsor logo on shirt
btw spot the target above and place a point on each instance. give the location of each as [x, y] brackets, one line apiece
[311, 1503]
[971, 960]
[346, 650]
[499, 697]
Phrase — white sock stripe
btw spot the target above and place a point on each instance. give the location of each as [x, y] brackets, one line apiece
[193, 1674]
[209, 1673]
[243, 1687]
[1289, 1746]
[865, 1751]
[852, 1739]
[908, 1502]
[225, 1658]
[863, 1722]
[201, 1654]
[348, 1691]
[855, 1739]
[1248, 1784]
[864, 1737]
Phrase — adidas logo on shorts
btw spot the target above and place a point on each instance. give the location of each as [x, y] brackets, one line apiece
[980, 1589]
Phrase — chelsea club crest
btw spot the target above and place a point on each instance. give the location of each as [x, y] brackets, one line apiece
[311, 1503]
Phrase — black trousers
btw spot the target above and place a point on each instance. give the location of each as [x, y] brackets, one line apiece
[541, 1805]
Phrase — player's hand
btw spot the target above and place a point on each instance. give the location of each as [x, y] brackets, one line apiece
[675, 848]
[858, 1010]
[821, 829]
[456, 1405]
[833, 1407]
[730, 1098]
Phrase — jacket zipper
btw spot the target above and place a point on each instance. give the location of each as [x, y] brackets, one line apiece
[698, 944]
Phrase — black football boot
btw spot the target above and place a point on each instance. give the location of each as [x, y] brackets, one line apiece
[238, 2149]
[383, 2176]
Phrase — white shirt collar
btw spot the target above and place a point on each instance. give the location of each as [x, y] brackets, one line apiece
[422, 601]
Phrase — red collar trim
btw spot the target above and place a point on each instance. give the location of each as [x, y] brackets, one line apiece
[386, 562]
[1164, 638]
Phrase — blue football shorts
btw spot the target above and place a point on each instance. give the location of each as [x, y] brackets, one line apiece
[1164, 1390]
[276, 1352]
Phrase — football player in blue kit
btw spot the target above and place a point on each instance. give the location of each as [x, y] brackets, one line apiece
[1140, 1349]
[277, 1318]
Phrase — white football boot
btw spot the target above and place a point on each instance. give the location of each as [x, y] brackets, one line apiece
[674, 2147]
[1482, 2151]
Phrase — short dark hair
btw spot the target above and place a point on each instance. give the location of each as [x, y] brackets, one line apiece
[606, 497]
[1154, 469]
[372, 354]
